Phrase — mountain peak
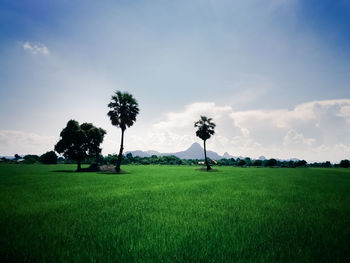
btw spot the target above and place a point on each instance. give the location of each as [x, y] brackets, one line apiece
[195, 145]
[227, 155]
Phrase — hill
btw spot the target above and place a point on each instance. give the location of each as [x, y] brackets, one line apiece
[195, 151]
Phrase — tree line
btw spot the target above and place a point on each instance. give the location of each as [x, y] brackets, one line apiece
[238, 162]
[111, 159]
[80, 143]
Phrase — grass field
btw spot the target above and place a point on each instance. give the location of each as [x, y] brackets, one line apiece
[174, 214]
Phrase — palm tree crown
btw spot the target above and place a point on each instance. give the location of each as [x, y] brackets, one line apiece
[124, 109]
[205, 128]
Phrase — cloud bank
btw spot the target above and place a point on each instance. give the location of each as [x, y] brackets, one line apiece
[12, 142]
[315, 131]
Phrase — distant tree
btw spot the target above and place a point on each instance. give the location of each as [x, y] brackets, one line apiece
[129, 157]
[241, 162]
[30, 158]
[205, 131]
[326, 164]
[49, 158]
[77, 142]
[344, 163]
[248, 161]
[270, 162]
[111, 159]
[17, 157]
[301, 163]
[124, 109]
[257, 163]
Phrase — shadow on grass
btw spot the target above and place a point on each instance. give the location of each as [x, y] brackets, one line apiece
[83, 170]
[203, 169]
[114, 172]
[64, 171]
[110, 169]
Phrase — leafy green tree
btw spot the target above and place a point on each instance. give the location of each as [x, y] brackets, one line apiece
[248, 161]
[79, 142]
[326, 164]
[31, 158]
[271, 162]
[72, 143]
[111, 159]
[301, 163]
[344, 163]
[241, 163]
[124, 109]
[94, 137]
[205, 129]
[48, 158]
[129, 157]
[257, 163]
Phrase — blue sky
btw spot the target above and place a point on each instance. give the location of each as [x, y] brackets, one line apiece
[258, 68]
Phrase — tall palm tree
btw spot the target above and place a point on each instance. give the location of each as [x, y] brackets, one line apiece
[124, 109]
[205, 131]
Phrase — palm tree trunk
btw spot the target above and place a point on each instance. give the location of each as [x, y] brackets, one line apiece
[79, 165]
[120, 155]
[205, 156]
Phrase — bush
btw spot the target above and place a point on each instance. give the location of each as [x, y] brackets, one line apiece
[49, 158]
[242, 162]
[270, 162]
[30, 159]
[301, 163]
[344, 163]
[257, 163]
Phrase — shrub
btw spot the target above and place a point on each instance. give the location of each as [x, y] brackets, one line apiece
[344, 163]
[49, 158]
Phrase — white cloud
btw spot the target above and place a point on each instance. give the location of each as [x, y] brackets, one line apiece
[314, 131]
[12, 142]
[35, 48]
[296, 140]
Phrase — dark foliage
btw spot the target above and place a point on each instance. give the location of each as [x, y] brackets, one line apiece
[344, 163]
[241, 163]
[31, 158]
[49, 158]
[257, 163]
[79, 142]
[270, 163]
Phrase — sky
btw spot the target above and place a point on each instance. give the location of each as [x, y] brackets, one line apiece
[273, 74]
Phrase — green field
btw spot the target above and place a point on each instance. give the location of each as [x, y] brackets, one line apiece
[174, 214]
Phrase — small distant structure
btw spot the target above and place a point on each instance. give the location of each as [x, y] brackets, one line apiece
[212, 161]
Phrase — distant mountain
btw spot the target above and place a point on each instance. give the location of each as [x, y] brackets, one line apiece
[287, 160]
[227, 156]
[139, 153]
[8, 157]
[195, 151]
[153, 153]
